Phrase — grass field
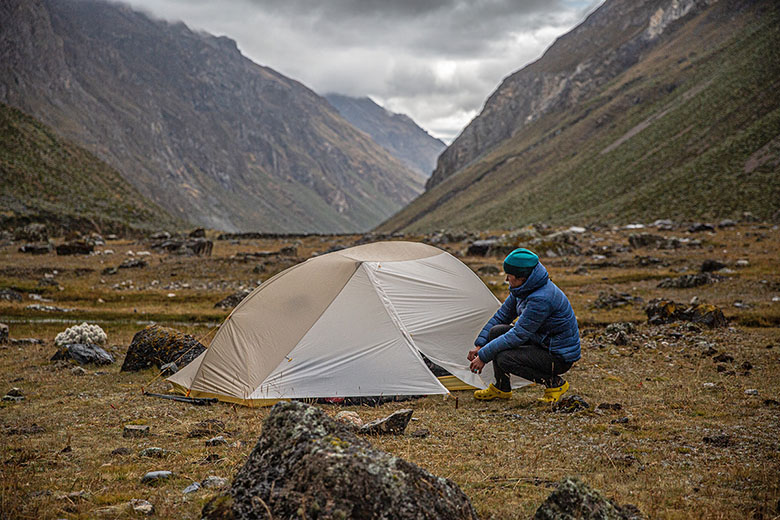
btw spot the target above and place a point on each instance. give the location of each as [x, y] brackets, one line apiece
[687, 441]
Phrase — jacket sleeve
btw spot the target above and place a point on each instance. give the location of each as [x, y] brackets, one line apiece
[536, 311]
[503, 316]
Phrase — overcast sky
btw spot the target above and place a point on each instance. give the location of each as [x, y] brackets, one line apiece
[434, 60]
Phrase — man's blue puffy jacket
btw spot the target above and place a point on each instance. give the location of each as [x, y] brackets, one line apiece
[544, 317]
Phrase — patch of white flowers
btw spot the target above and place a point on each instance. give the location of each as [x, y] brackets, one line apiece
[84, 333]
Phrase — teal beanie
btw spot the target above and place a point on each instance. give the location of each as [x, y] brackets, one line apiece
[520, 262]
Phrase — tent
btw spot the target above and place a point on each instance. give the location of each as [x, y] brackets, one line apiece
[346, 324]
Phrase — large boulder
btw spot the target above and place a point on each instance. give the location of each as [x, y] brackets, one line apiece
[157, 345]
[76, 247]
[306, 465]
[84, 354]
[188, 247]
[667, 311]
[574, 500]
[234, 299]
[688, 281]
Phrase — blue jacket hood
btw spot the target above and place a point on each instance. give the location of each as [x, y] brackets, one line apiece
[536, 280]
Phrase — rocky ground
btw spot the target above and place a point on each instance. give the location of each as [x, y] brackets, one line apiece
[674, 417]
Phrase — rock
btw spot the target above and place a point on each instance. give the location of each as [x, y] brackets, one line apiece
[561, 243]
[121, 451]
[663, 224]
[46, 308]
[723, 358]
[78, 371]
[742, 263]
[192, 488]
[75, 247]
[38, 248]
[308, 465]
[3, 333]
[234, 299]
[726, 223]
[212, 482]
[688, 281]
[490, 247]
[666, 311]
[489, 270]
[84, 354]
[169, 369]
[136, 430]
[153, 452]
[721, 441]
[751, 391]
[699, 227]
[15, 392]
[639, 240]
[132, 263]
[623, 326]
[393, 424]
[34, 232]
[620, 338]
[747, 365]
[288, 251]
[142, 507]
[160, 235]
[219, 440]
[610, 300]
[709, 266]
[421, 433]
[10, 295]
[154, 477]
[13, 398]
[197, 233]
[157, 345]
[609, 406]
[190, 247]
[109, 271]
[206, 428]
[570, 404]
[574, 500]
[351, 419]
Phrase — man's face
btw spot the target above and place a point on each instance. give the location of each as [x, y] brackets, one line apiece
[514, 281]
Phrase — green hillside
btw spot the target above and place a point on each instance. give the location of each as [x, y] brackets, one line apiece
[46, 179]
[690, 131]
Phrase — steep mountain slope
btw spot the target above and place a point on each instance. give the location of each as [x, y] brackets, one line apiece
[46, 179]
[195, 126]
[690, 128]
[397, 133]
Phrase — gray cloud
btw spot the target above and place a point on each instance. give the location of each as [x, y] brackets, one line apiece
[435, 60]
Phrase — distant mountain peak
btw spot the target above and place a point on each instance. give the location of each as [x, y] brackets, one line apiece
[397, 133]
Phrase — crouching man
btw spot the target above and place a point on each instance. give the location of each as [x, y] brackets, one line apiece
[542, 344]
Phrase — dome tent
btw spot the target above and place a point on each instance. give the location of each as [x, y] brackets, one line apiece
[346, 324]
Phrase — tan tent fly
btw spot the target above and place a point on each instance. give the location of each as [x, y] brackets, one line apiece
[346, 324]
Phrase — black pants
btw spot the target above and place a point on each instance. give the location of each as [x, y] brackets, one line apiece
[532, 362]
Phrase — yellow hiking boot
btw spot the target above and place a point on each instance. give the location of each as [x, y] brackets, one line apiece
[551, 395]
[490, 393]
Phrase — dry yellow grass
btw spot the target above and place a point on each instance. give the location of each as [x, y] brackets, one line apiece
[505, 456]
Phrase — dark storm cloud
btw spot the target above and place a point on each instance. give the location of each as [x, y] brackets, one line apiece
[435, 60]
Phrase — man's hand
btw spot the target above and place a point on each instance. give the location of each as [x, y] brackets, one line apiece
[473, 353]
[477, 365]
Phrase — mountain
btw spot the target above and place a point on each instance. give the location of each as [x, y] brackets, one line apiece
[46, 179]
[651, 109]
[195, 126]
[396, 133]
